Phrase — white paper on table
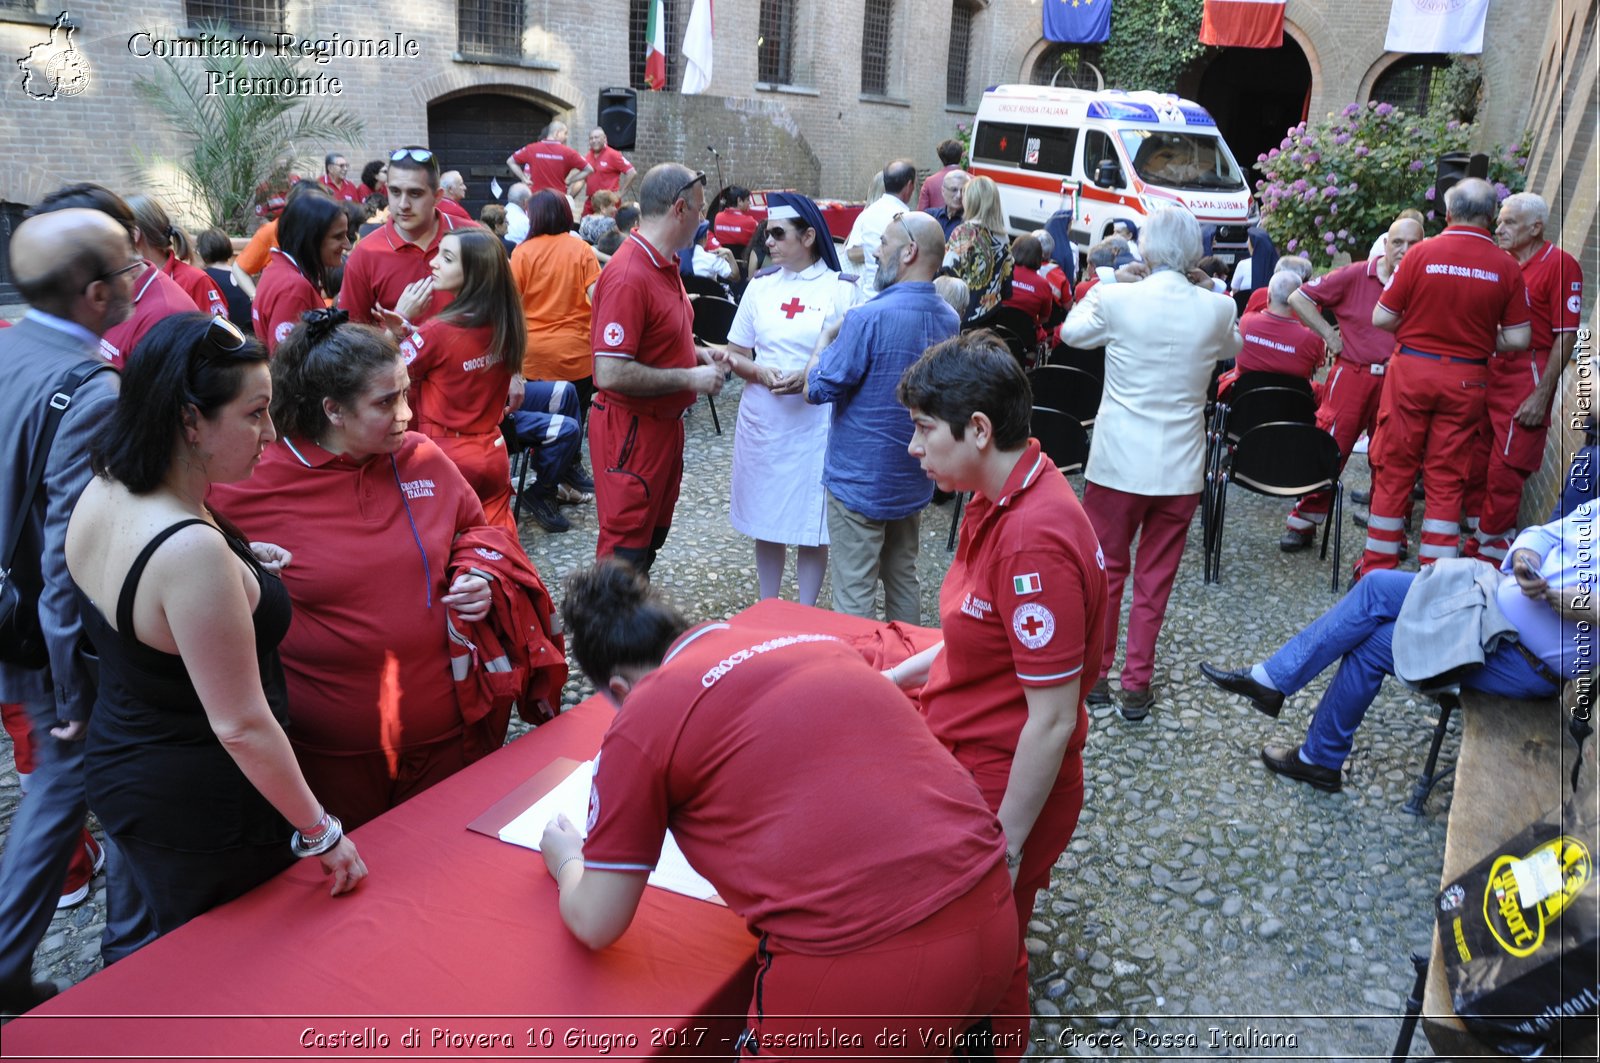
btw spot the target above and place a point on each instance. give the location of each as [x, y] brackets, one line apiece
[571, 797]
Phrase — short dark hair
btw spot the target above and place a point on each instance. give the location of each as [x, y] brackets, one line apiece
[90, 196]
[336, 365]
[406, 162]
[549, 213]
[214, 246]
[970, 373]
[898, 175]
[610, 242]
[627, 218]
[615, 620]
[327, 160]
[300, 231]
[369, 172]
[174, 367]
[661, 187]
[950, 151]
[1027, 251]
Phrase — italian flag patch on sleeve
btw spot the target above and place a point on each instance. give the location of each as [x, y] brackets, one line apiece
[1028, 584]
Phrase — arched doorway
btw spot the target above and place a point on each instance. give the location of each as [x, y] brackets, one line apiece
[1256, 94]
[475, 133]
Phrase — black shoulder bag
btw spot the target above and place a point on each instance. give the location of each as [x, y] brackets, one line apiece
[22, 641]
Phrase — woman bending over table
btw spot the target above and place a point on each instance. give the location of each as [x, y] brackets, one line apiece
[187, 764]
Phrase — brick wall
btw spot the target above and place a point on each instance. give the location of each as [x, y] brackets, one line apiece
[818, 134]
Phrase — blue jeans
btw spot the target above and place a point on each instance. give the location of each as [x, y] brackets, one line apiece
[1358, 633]
[548, 424]
[45, 832]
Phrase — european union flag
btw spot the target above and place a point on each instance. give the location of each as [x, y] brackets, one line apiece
[1077, 21]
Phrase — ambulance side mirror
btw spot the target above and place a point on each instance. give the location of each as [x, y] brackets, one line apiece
[1107, 174]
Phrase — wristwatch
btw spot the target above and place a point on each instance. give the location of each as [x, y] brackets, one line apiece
[1013, 858]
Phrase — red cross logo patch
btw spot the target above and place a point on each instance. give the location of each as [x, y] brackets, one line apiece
[1034, 624]
[792, 307]
[613, 334]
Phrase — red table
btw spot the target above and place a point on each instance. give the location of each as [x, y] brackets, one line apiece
[838, 215]
[453, 931]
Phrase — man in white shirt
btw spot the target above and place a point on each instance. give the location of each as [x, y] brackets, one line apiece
[899, 180]
[517, 212]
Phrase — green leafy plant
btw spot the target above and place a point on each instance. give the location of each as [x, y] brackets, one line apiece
[1335, 185]
[236, 143]
[1152, 43]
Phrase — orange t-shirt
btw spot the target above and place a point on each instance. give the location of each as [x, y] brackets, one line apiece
[553, 274]
[253, 259]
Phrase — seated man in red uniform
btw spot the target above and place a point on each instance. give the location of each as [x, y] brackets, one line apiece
[1522, 384]
[388, 270]
[1455, 300]
[1275, 341]
[811, 795]
[647, 369]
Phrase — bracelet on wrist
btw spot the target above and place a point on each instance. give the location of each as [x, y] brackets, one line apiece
[563, 866]
[314, 831]
[302, 846]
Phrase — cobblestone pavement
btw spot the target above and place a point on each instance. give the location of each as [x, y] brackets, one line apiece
[1205, 907]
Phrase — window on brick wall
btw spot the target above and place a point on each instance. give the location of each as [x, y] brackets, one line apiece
[490, 27]
[639, 40]
[1072, 66]
[876, 25]
[962, 14]
[775, 48]
[1412, 83]
[30, 6]
[258, 16]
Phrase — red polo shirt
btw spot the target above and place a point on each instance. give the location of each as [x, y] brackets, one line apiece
[641, 312]
[1023, 605]
[1031, 294]
[610, 167]
[198, 284]
[345, 190]
[795, 778]
[367, 656]
[455, 210]
[1454, 291]
[283, 294]
[1351, 292]
[457, 383]
[155, 296]
[547, 163]
[1274, 344]
[734, 227]
[1555, 295]
[382, 264]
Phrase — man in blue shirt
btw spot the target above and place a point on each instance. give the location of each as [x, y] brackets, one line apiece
[876, 490]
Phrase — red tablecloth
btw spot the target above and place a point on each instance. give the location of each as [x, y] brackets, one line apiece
[453, 931]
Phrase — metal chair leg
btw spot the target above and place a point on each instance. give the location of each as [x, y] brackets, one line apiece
[715, 424]
[1338, 532]
[1430, 776]
[955, 521]
[1408, 1024]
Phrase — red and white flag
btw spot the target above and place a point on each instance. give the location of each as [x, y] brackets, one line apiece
[1436, 26]
[1243, 23]
[655, 47]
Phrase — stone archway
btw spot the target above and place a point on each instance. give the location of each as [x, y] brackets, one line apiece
[1255, 94]
[474, 132]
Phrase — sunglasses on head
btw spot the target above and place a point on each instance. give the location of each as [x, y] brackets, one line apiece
[901, 218]
[699, 178]
[422, 155]
[225, 336]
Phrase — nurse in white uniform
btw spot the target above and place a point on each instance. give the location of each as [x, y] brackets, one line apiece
[778, 447]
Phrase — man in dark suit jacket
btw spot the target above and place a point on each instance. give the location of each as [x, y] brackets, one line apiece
[75, 267]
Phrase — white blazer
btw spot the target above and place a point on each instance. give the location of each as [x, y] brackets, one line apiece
[1163, 338]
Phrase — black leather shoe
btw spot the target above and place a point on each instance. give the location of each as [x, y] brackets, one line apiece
[1360, 497]
[1285, 760]
[543, 509]
[1358, 517]
[1292, 542]
[1264, 698]
[1099, 694]
[1136, 704]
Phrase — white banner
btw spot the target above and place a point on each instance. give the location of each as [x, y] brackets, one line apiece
[1436, 26]
[697, 49]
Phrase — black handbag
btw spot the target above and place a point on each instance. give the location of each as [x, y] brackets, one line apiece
[22, 642]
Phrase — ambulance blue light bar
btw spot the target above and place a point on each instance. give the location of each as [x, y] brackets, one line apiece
[1122, 111]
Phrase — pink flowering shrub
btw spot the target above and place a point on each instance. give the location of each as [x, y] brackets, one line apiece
[1334, 186]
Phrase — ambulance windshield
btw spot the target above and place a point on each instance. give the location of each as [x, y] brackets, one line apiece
[1182, 160]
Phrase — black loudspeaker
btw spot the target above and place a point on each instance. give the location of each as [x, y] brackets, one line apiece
[1451, 167]
[619, 117]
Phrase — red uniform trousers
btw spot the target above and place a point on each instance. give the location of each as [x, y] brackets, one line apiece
[917, 983]
[20, 728]
[1507, 455]
[1161, 524]
[1430, 415]
[1349, 407]
[638, 465]
[482, 459]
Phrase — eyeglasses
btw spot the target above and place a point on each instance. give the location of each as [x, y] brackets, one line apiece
[113, 274]
[422, 155]
[699, 178]
[225, 336]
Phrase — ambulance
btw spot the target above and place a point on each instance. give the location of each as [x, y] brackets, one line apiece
[1108, 156]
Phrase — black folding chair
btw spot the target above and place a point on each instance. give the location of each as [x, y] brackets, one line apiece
[1091, 360]
[713, 317]
[1282, 460]
[1072, 391]
[1062, 438]
[695, 284]
[1258, 403]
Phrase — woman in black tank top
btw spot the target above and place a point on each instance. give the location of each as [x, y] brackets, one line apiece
[187, 764]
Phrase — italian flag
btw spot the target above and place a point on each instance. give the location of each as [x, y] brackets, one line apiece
[1028, 584]
[655, 50]
[1242, 23]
